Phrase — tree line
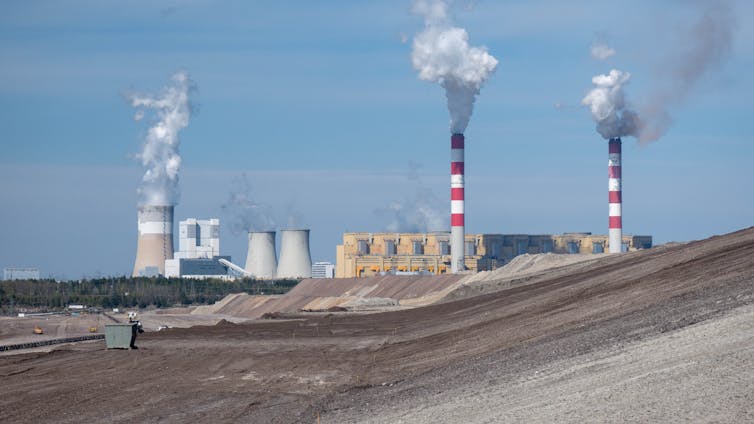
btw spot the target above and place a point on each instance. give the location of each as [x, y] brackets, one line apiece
[127, 292]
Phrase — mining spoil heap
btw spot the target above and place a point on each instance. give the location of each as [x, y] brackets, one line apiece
[664, 334]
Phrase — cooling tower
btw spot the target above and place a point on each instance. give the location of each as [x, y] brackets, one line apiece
[456, 204]
[261, 261]
[295, 261]
[615, 226]
[155, 242]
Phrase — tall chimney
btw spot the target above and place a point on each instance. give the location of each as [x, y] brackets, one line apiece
[261, 260]
[295, 260]
[155, 240]
[615, 236]
[456, 204]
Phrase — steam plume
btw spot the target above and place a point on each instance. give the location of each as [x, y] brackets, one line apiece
[608, 106]
[701, 48]
[160, 157]
[601, 51]
[441, 54]
[245, 213]
[418, 213]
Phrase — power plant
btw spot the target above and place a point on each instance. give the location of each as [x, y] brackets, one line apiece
[198, 238]
[457, 203]
[155, 240]
[261, 260]
[295, 260]
[368, 254]
[615, 201]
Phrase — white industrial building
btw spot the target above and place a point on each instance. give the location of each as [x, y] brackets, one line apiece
[323, 270]
[16, 273]
[213, 267]
[198, 238]
[198, 254]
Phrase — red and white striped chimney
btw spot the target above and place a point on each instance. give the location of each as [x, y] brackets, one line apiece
[456, 204]
[615, 230]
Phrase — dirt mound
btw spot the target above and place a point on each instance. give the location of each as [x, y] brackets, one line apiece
[347, 293]
[657, 335]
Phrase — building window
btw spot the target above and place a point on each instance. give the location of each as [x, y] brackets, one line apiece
[598, 247]
[470, 248]
[522, 247]
[444, 247]
[624, 246]
[547, 246]
[362, 247]
[389, 247]
[418, 248]
[573, 247]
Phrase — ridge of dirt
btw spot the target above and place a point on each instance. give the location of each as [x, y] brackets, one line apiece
[554, 347]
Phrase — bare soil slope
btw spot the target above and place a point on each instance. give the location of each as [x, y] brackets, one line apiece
[659, 334]
[352, 293]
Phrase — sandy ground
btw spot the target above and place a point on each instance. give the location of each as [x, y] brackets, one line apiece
[702, 373]
[17, 330]
[657, 335]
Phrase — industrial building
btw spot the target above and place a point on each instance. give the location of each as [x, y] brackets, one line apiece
[323, 270]
[197, 267]
[365, 254]
[199, 251]
[17, 273]
[198, 238]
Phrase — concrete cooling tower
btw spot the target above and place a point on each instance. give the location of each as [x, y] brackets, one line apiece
[155, 242]
[295, 260]
[261, 260]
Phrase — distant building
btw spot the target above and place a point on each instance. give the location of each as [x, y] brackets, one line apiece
[15, 273]
[365, 254]
[198, 239]
[323, 270]
[197, 267]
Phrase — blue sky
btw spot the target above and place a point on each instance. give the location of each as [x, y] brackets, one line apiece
[318, 105]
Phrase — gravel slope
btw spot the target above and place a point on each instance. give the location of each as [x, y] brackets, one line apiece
[654, 335]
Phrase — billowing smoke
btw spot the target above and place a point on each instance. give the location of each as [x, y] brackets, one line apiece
[700, 48]
[441, 54]
[171, 111]
[420, 212]
[607, 103]
[244, 212]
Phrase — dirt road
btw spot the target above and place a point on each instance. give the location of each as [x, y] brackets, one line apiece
[650, 335]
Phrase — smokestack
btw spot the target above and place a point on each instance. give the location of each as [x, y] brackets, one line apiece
[155, 240]
[295, 260]
[261, 261]
[456, 204]
[615, 236]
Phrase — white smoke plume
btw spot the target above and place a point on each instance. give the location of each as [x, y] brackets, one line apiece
[171, 110]
[441, 54]
[419, 213]
[608, 105]
[245, 213]
[601, 51]
[699, 49]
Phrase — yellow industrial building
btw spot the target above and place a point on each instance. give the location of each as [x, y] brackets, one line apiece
[365, 254]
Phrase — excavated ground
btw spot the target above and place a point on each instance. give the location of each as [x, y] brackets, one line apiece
[664, 334]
